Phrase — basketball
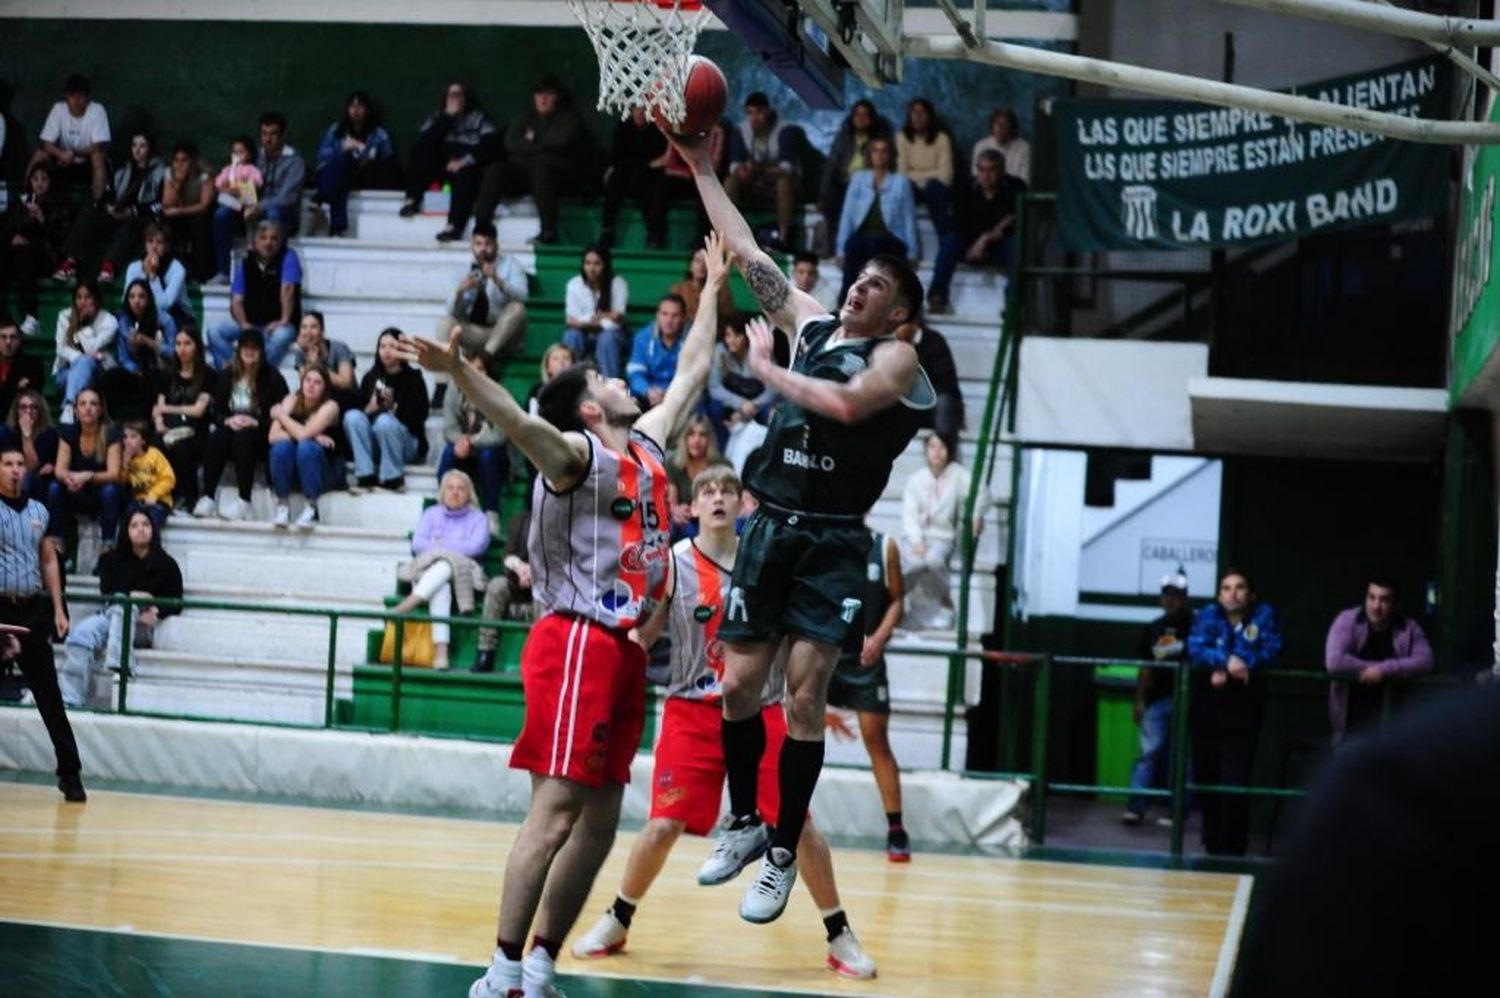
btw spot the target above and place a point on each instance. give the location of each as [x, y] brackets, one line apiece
[704, 96]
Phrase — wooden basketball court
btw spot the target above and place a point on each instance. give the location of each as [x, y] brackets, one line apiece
[139, 893]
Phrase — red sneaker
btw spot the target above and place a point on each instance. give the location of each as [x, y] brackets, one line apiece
[66, 271]
[107, 273]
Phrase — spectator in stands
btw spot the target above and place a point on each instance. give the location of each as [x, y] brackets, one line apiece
[932, 510]
[187, 207]
[28, 426]
[133, 202]
[637, 160]
[697, 448]
[474, 445]
[137, 567]
[266, 296]
[936, 359]
[165, 275]
[75, 139]
[148, 473]
[507, 596]
[239, 183]
[314, 349]
[925, 151]
[984, 221]
[18, 369]
[1374, 646]
[547, 153]
[850, 155]
[455, 145]
[284, 173]
[1164, 640]
[130, 383]
[31, 238]
[90, 471]
[181, 413]
[764, 154]
[31, 595]
[306, 438]
[806, 276]
[735, 395]
[390, 423]
[690, 288]
[450, 538]
[1005, 139]
[556, 358]
[247, 388]
[85, 344]
[653, 357]
[355, 154]
[1234, 641]
[594, 306]
[489, 303]
[879, 214]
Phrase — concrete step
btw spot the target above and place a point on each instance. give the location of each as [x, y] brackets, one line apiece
[376, 509]
[233, 635]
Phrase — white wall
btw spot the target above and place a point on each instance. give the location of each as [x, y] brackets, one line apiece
[1128, 550]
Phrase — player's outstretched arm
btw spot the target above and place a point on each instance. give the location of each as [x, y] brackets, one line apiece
[693, 363]
[562, 458]
[888, 376]
[786, 306]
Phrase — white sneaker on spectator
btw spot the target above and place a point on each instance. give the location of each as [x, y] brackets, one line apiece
[765, 899]
[66, 416]
[216, 281]
[308, 518]
[235, 509]
[847, 958]
[501, 980]
[205, 507]
[606, 938]
[734, 849]
[494, 521]
[283, 515]
[537, 973]
[29, 326]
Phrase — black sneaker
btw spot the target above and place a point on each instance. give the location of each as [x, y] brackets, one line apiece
[898, 846]
[397, 484]
[410, 207]
[447, 234]
[72, 789]
[365, 482]
[438, 395]
[485, 660]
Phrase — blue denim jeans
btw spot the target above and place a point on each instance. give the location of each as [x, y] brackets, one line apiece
[107, 501]
[384, 438]
[609, 348]
[224, 337]
[486, 465]
[951, 249]
[1151, 769]
[334, 183]
[76, 376]
[305, 464]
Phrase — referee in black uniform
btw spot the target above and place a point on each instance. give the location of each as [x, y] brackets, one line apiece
[31, 597]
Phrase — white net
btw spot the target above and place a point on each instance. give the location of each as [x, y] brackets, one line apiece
[643, 50]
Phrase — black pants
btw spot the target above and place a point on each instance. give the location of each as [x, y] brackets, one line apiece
[544, 179]
[427, 162]
[186, 457]
[124, 243]
[24, 266]
[40, 671]
[642, 185]
[1224, 758]
[243, 447]
[193, 243]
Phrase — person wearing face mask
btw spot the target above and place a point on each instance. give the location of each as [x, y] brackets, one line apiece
[136, 201]
[279, 200]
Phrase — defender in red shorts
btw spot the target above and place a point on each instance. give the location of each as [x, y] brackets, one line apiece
[687, 784]
[599, 552]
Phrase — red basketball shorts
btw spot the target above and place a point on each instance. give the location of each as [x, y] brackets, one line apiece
[585, 691]
[687, 783]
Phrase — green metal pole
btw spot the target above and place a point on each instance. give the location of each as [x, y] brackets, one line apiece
[1179, 754]
[333, 646]
[1041, 697]
[955, 665]
[396, 675]
[127, 606]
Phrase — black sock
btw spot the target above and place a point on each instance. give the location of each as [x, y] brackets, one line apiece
[512, 951]
[896, 834]
[744, 744]
[553, 947]
[624, 911]
[893, 818]
[836, 924]
[801, 763]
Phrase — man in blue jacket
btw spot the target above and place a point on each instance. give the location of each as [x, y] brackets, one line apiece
[653, 357]
[1232, 644]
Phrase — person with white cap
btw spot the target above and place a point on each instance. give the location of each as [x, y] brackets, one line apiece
[1164, 640]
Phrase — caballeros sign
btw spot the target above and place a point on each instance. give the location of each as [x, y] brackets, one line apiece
[1146, 174]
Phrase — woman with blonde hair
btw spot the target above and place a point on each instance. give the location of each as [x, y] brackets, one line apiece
[697, 448]
[450, 538]
[305, 438]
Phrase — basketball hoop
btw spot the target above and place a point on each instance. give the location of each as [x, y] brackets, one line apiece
[643, 48]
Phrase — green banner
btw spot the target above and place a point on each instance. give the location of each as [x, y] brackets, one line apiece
[1164, 175]
[1474, 322]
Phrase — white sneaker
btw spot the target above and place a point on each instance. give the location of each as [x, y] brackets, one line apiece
[847, 958]
[308, 518]
[537, 973]
[66, 417]
[501, 980]
[765, 899]
[606, 938]
[493, 519]
[29, 326]
[205, 507]
[234, 509]
[734, 849]
[283, 515]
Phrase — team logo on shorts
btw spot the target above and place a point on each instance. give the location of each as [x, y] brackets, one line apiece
[703, 614]
[618, 598]
[667, 798]
[622, 507]
[850, 610]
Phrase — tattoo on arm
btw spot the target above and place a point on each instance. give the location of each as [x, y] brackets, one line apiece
[768, 284]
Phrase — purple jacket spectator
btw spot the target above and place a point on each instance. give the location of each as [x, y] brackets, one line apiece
[463, 531]
[1347, 635]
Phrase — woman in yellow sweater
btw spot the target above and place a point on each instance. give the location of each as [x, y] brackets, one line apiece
[149, 473]
[925, 151]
